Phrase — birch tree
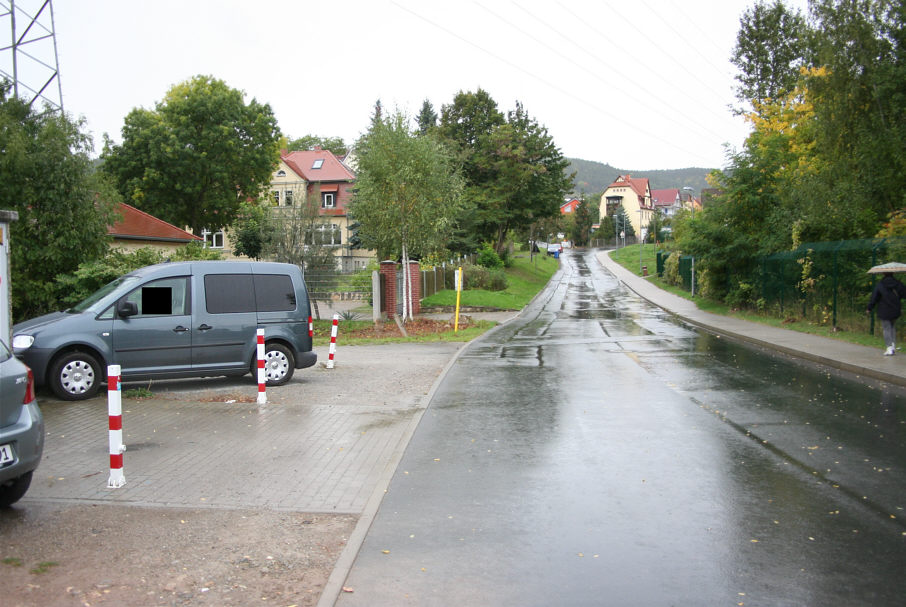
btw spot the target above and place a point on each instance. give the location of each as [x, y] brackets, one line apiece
[408, 194]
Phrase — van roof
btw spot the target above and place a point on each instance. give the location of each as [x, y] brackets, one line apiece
[178, 267]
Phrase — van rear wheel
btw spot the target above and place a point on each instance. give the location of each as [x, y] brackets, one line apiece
[279, 364]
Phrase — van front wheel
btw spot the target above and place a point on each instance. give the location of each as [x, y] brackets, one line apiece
[75, 376]
[279, 364]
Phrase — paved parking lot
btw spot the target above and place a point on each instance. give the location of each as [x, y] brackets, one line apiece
[321, 444]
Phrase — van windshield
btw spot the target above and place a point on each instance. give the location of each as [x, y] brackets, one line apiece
[100, 296]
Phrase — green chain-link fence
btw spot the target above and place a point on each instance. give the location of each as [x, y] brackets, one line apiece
[827, 282]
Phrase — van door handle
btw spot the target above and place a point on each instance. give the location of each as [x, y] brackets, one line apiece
[205, 328]
[180, 329]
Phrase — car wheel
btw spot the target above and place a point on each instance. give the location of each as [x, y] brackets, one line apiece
[75, 376]
[279, 364]
[12, 491]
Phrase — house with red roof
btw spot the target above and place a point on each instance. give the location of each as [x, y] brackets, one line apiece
[570, 206]
[135, 229]
[667, 201]
[634, 195]
[318, 175]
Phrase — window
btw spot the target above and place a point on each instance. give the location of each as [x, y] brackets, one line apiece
[327, 200]
[237, 293]
[276, 195]
[317, 164]
[165, 297]
[274, 293]
[281, 173]
[229, 293]
[324, 234]
[288, 198]
[212, 240]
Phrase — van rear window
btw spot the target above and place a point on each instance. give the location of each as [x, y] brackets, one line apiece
[229, 293]
[275, 293]
[234, 293]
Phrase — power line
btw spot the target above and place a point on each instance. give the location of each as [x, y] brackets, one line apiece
[670, 108]
[558, 89]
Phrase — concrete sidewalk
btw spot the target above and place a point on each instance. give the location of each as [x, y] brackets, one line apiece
[838, 354]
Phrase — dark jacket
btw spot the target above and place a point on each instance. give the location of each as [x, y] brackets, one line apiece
[886, 296]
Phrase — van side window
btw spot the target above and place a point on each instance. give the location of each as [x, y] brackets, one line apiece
[275, 293]
[165, 297]
[229, 293]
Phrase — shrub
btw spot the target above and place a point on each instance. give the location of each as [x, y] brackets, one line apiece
[488, 258]
[671, 269]
[478, 277]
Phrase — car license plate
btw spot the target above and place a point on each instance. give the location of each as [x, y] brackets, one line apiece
[6, 454]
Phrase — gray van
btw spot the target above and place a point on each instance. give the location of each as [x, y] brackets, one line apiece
[174, 320]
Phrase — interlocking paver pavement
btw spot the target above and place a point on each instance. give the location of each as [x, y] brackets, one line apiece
[319, 445]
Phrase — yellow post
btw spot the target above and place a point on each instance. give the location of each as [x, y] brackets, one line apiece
[458, 292]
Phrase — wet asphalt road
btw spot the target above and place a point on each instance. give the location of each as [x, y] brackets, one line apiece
[596, 451]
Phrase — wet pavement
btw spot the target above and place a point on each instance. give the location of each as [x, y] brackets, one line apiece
[599, 450]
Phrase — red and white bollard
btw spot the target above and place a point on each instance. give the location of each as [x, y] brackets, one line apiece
[262, 380]
[333, 341]
[115, 413]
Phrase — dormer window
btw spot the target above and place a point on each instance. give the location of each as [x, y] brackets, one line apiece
[317, 163]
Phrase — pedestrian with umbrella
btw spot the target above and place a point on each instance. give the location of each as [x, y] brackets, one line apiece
[886, 297]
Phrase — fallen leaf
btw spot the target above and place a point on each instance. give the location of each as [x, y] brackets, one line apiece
[347, 589]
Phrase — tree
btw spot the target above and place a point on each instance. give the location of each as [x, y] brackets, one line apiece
[64, 208]
[770, 48]
[514, 173]
[529, 173]
[622, 223]
[197, 155]
[656, 227]
[407, 194]
[252, 230]
[465, 125]
[310, 142]
[427, 118]
[582, 221]
[300, 236]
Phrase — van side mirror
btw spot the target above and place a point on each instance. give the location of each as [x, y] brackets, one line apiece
[126, 308]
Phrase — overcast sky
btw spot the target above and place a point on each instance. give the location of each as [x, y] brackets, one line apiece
[640, 84]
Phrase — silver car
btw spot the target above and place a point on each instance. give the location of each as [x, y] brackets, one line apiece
[21, 428]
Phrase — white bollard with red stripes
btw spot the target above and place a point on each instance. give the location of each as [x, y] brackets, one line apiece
[333, 341]
[262, 379]
[115, 414]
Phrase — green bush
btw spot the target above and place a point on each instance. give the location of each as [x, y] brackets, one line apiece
[671, 269]
[479, 277]
[91, 276]
[488, 258]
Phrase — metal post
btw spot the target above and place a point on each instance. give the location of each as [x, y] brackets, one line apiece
[6, 217]
[333, 341]
[115, 423]
[693, 276]
[262, 378]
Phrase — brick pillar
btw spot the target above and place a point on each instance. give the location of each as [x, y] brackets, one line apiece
[416, 274]
[388, 301]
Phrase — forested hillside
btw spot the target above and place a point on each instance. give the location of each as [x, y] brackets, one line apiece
[593, 177]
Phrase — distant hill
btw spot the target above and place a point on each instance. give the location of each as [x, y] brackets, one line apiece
[594, 177]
